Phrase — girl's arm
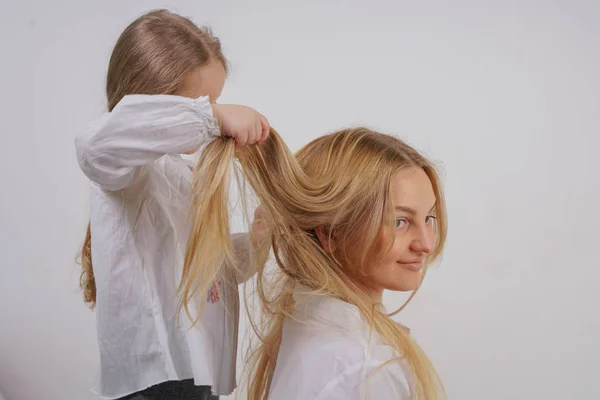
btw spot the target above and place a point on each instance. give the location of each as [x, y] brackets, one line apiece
[252, 249]
[138, 131]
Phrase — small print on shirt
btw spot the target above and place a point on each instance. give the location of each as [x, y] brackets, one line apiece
[213, 293]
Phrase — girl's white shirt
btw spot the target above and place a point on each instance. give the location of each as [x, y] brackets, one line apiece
[140, 194]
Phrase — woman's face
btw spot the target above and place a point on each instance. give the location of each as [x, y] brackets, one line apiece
[413, 199]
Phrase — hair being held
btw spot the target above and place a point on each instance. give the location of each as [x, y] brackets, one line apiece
[153, 55]
[338, 184]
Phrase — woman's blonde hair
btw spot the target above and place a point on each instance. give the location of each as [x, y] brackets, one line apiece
[339, 184]
[153, 55]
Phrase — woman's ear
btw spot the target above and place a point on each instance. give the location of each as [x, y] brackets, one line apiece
[327, 241]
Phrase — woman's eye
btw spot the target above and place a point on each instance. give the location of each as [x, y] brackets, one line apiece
[401, 223]
[430, 218]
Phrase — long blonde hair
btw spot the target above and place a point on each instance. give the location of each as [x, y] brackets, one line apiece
[152, 56]
[339, 183]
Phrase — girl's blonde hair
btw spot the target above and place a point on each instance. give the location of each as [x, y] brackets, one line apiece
[152, 56]
[339, 183]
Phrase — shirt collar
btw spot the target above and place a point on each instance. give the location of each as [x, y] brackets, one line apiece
[314, 307]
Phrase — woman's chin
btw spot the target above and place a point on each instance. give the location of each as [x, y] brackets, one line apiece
[406, 282]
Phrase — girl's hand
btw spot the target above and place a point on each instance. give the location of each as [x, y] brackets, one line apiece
[244, 124]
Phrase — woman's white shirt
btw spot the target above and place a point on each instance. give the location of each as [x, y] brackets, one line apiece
[328, 353]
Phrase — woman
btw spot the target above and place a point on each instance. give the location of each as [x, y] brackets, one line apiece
[355, 213]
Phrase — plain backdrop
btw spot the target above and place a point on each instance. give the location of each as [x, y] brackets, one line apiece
[504, 96]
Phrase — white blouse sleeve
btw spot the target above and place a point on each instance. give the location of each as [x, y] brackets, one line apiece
[368, 382]
[138, 131]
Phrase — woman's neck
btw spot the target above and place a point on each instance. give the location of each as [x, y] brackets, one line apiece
[370, 295]
[375, 297]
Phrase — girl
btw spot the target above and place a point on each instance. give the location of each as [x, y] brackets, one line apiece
[164, 77]
[355, 213]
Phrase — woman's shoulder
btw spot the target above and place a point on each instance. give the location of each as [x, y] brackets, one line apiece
[338, 348]
[371, 371]
[371, 379]
[336, 364]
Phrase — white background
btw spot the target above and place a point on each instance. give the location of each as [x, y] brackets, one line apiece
[504, 95]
